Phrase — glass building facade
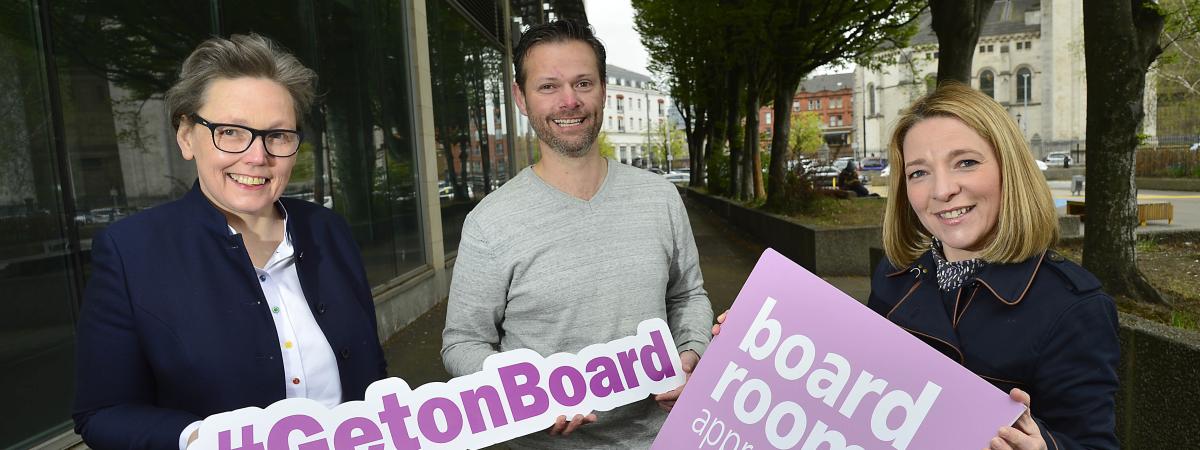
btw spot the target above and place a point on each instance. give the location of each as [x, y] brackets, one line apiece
[85, 140]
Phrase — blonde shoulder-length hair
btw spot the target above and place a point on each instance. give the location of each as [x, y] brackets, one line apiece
[1027, 224]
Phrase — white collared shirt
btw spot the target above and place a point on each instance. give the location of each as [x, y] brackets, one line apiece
[309, 366]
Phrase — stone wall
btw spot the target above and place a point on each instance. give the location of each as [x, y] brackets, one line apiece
[1158, 405]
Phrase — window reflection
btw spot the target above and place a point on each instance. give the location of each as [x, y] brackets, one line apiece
[467, 72]
[359, 153]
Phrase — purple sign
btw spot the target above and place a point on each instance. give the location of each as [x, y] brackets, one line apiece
[799, 364]
[518, 392]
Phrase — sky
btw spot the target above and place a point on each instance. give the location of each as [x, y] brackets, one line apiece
[613, 22]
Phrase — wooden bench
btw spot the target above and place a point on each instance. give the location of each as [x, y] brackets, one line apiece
[1146, 211]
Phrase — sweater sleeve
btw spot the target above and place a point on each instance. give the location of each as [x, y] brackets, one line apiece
[689, 312]
[478, 293]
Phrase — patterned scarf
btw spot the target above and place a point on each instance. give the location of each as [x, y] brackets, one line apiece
[951, 275]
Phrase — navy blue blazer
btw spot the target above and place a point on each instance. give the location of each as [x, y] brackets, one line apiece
[1043, 325]
[174, 325]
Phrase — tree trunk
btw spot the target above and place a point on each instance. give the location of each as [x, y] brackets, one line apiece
[785, 89]
[1120, 44]
[717, 133]
[957, 24]
[752, 164]
[696, 152]
[733, 89]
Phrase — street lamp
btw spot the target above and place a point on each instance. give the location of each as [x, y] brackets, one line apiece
[1025, 77]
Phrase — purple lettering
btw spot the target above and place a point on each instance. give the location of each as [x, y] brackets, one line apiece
[428, 423]
[393, 416]
[346, 438]
[657, 350]
[224, 438]
[516, 391]
[607, 380]
[627, 359]
[277, 439]
[558, 387]
[473, 410]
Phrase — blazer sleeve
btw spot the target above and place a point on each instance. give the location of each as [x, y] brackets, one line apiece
[1074, 392]
[114, 392]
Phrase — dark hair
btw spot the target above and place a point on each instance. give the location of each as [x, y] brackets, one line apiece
[242, 55]
[557, 31]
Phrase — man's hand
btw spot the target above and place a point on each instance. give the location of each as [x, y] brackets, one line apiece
[564, 428]
[1023, 435]
[666, 400]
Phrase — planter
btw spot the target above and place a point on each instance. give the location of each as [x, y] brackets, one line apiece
[824, 251]
[1168, 184]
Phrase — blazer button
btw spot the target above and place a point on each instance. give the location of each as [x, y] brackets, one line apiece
[321, 308]
[345, 353]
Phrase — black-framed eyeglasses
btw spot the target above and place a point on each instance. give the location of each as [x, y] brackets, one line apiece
[231, 138]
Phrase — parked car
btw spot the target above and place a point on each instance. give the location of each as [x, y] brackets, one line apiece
[1041, 165]
[1058, 159]
[656, 170]
[823, 176]
[678, 177]
[841, 163]
[106, 215]
[885, 171]
[874, 163]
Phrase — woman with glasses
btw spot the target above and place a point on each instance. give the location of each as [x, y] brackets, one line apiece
[231, 296]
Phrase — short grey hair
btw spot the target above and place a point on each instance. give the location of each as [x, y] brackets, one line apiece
[242, 55]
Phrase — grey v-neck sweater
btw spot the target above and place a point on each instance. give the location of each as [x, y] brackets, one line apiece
[540, 269]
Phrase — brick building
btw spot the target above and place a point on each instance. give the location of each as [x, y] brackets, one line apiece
[831, 98]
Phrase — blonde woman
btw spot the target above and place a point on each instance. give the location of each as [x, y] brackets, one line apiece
[968, 230]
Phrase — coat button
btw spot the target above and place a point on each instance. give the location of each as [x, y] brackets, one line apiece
[321, 308]
[345, 353]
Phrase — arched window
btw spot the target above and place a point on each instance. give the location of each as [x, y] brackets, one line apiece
[987, 83]
[871, 98]
[1024, 85]
[930, 82]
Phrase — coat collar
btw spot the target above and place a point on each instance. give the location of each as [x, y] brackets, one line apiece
[207, 214]
[1010, 282]
[1007, 282]
[211, 219]
[921, 312]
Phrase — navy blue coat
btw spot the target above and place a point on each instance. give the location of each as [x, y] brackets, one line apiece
[174, 325]
[1043, 325]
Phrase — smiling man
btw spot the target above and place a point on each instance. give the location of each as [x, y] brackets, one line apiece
[576, 249]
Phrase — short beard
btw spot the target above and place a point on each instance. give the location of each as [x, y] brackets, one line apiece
[565, 147]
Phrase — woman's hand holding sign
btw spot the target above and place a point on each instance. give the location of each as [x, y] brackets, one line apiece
[720, 320]
[1024, 434]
